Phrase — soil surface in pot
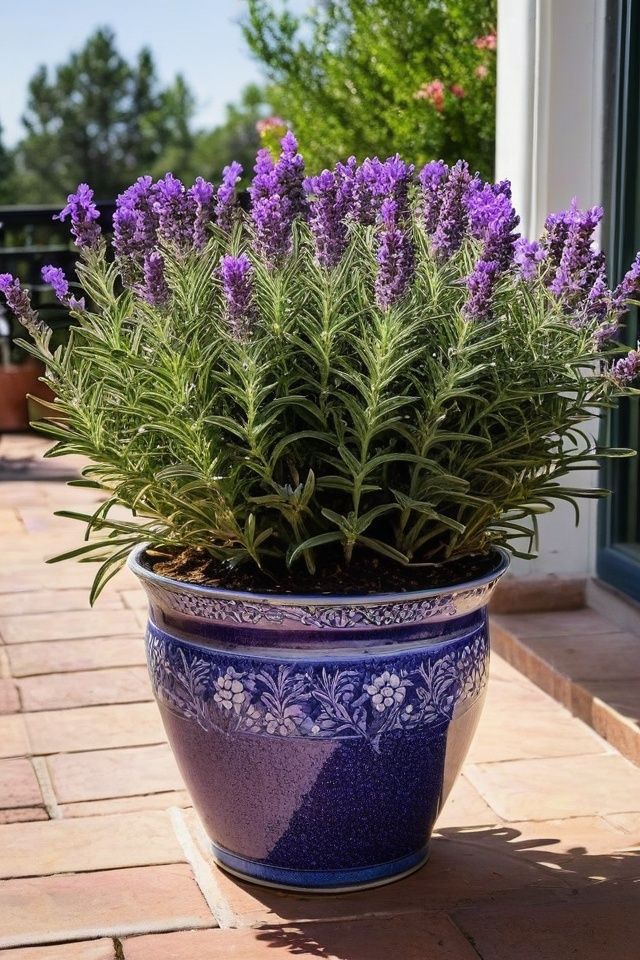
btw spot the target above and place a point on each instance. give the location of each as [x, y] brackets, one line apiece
[364, 575]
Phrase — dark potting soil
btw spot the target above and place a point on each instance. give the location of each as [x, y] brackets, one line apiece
[365, 575]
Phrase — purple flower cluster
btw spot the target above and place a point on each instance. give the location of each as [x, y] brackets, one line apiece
[629, 286]
[135, 226]
[226, 209]
[528, 255]
[626, 370]
[278, 197]
[154, 287]
[432, 178]
[176, 212]
[19, 302]
[493, 220]
[330, 198]
[84, 214]
[375, 181]
[58, 282]
[236, 274]
[452, 217]
[579, 266]
[201, 195]
[396, 262]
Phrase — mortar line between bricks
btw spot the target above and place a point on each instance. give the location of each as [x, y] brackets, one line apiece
[5, 667]
[46, 788]
[94, 933]
[203, 873]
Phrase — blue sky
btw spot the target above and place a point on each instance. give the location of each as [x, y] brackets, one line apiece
[199, 38]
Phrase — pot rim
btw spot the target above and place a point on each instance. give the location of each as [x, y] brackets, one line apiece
[134, 563]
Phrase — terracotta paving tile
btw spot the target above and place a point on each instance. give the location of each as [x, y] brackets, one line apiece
[66, 656]
[465, 807]
[602, 930]
[85, 688]
[134, 599]
[103, 774]
[629, 822]
[110, 902]
[151, 801]
[23, 814]
[69, 625]
[552, 788]
[573, 623]
[610, 656]
[499, 669]
[94, 728]
[10, 523]
[102, 949]
[13, 736]
[416, 936]
[88, 843]
[18, 784]
[9, 699]
[515, 594]
[518, 722]
[49, 601]
[622, 695]
[38, 576]
[465, 865]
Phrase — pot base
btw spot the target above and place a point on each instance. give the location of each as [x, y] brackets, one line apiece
[318, 881]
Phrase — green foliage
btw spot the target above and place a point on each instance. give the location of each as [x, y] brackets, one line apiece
[335, 428]
[350, 77]
[235, 138]
[101, 117]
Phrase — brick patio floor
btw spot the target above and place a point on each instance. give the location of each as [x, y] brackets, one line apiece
[537, 855]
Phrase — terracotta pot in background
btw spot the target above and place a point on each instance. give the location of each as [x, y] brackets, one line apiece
[16, 381]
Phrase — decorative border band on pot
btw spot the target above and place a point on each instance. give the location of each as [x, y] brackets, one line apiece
[242, 612]
[239, 694]
[386, 610]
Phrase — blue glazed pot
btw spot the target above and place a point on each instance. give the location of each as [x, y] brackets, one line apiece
[318, 736]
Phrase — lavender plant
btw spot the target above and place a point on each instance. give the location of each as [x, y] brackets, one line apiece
[371, 362]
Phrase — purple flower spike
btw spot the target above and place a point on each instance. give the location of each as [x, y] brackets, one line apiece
[605, 335]
[236, 274]
[629, 286]
[626, 370]
[289, 175]
[480, 286]
[264, 182]
[135, 226]
[201, 193]
[452, 220]
[19, 302]
[83, 213]
[330, 198]
[432, 177]
[579, 264]
[278, 197]
[527, 257]
[154, 289]
[272, 219]
[56, 278]
[226, 210]
[396, 262]
[176, 212]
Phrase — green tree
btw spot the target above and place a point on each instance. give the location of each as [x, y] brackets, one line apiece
[234, 139]
[102, 119]
[7, 185]
[380, 76]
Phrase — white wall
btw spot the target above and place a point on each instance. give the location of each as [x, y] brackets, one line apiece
[549, 144]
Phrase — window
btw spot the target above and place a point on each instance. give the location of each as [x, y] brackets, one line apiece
[619, 535]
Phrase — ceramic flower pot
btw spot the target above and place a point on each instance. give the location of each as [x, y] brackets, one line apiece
[318, 736]
[16, 382]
